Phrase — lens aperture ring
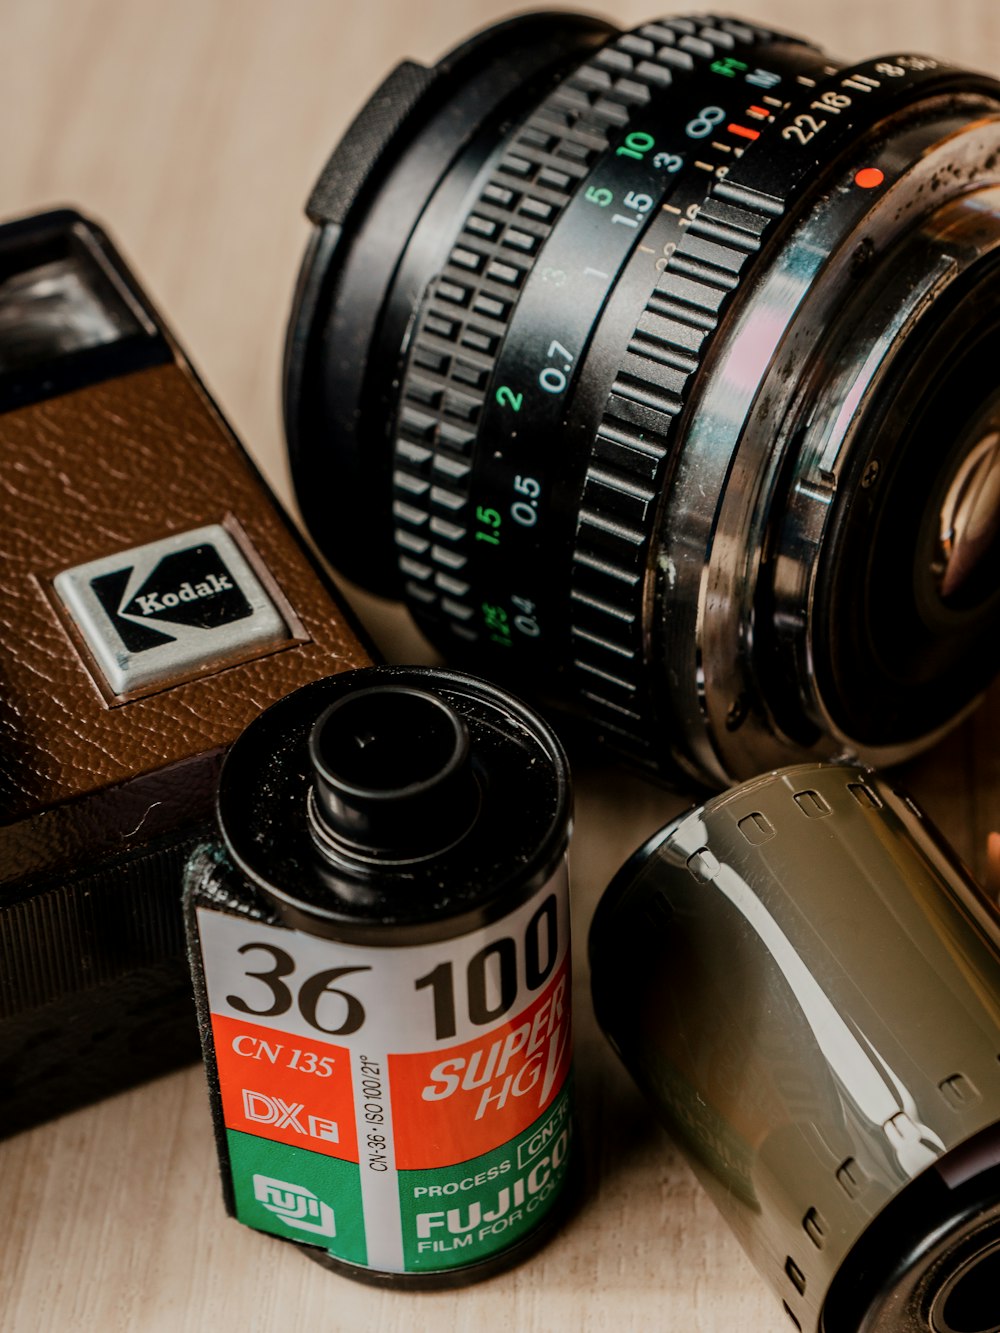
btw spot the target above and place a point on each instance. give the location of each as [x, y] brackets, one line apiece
[467, 312]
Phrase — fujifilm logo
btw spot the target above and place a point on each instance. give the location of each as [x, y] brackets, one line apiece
[152, 603]
[170, 608]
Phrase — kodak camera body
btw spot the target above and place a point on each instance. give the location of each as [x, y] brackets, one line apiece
[155, 600]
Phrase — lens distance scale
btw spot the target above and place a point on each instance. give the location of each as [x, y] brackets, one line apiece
[516, 331]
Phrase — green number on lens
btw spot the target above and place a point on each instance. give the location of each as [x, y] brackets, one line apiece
[600, 196]
[637, 145]
[508, 398]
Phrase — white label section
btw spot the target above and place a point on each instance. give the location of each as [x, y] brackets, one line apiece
[379, 1189]
[398, 1000]
[378, 1002]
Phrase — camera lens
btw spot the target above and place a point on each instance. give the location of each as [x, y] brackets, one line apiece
[657, 372]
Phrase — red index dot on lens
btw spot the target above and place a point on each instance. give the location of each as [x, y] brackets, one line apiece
[869, 178]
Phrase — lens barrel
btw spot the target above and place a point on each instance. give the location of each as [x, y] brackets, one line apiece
[650, 367]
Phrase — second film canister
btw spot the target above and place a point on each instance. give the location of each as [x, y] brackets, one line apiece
[380, 947]
[806, 984]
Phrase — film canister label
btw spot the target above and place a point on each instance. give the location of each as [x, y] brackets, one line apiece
[406, 1108]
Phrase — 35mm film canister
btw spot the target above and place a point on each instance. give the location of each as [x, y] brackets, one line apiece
[380, 946]
[806, 985]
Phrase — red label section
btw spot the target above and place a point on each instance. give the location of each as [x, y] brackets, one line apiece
[286, 1088]
[453, 1104]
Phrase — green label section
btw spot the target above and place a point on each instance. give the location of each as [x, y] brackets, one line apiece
[299, 1195]
[458, 1215]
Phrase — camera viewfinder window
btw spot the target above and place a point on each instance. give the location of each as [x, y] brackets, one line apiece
[59, 307]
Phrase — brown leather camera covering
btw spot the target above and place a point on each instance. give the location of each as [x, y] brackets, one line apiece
[106, 468]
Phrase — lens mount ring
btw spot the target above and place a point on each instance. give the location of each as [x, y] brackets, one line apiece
[775, 411]
[895, 459]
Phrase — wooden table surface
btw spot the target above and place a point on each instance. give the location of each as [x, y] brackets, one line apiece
[193, 129]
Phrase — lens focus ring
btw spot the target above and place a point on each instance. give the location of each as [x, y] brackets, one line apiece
[625, 477]
[469, 307]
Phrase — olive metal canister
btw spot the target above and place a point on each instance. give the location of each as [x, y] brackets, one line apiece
[806, 984]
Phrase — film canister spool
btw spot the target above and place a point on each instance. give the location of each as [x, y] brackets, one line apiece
[806, 984]
[380, 947]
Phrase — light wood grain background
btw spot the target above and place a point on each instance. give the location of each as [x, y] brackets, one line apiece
[194, 129]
